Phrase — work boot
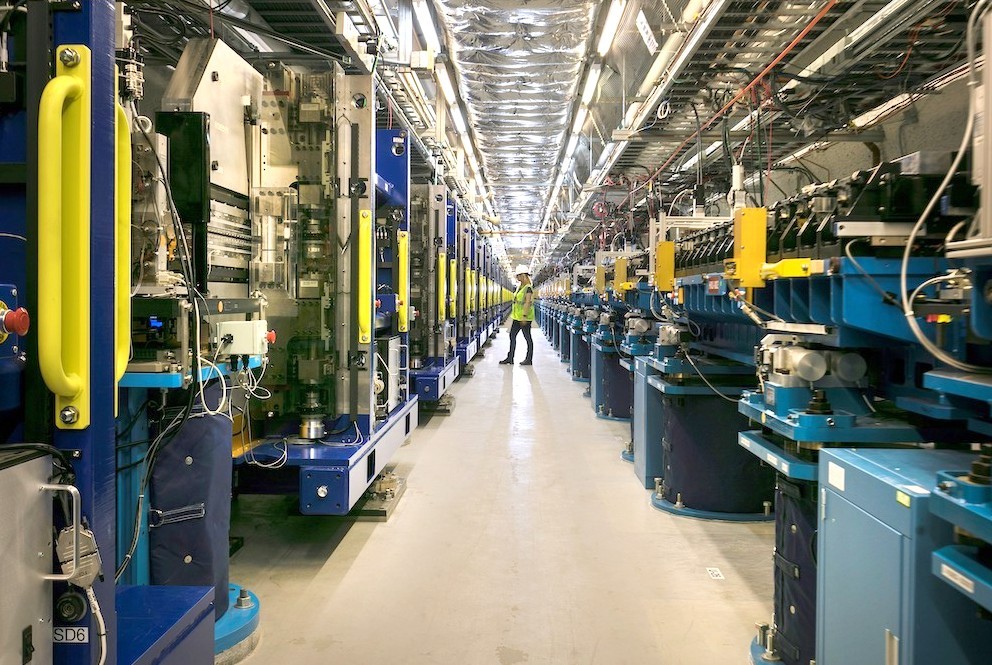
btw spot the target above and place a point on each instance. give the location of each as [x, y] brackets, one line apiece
[527, 361]
[506, 361]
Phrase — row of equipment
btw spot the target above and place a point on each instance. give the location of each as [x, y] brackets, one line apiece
[824, 364]
[243, 279]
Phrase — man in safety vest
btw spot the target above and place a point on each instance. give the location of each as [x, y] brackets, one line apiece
[522, 315]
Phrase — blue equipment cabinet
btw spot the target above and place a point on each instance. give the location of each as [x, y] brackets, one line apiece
[877, 599]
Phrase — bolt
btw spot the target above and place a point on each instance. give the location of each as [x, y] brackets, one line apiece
[830, 422]
[68, 57]
[13, 293]
[945, 486]
[69, 415]
[322, 491]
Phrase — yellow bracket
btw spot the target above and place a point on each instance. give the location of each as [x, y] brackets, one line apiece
[403, 266]
[620, 274]
[793, 268]
[442, 286]
[64, 236]
[750, 231]
[365, 288]
[600, 281]
[664, 265]
[122, 247]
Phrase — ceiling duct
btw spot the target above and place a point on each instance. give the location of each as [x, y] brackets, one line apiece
[519, 63]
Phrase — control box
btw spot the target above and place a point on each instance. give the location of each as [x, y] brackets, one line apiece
[243, 338]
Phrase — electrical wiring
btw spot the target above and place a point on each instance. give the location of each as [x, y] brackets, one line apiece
[61, 459]
[721, 394]
[164, 437]
[887, 298]
[750, 86]
[980, 9]
[101, 624]
[9, 12]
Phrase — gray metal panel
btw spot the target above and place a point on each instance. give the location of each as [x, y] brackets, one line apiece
[26, 553]
[211, 78]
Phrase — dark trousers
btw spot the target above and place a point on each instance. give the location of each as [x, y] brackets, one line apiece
[516, 327]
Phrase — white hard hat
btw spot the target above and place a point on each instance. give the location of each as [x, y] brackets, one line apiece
[522, 270]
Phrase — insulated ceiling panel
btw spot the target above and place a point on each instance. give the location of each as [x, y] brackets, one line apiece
[518, 64]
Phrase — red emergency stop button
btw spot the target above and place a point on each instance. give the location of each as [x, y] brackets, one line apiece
[270, 337]
[16, 321]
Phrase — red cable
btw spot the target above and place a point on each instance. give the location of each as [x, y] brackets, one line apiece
[748, 88]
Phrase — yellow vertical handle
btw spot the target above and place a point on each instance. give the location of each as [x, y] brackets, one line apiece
[442, 286]
[453, 288]
[470, 285]
[403, 283]
[365, 289]
[64, 236]
[122, 244]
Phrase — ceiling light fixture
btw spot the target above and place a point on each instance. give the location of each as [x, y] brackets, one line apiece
[592, 79]
[458, 120]
[426, 23]
[444, 82]
[611, 26]
[580, 119]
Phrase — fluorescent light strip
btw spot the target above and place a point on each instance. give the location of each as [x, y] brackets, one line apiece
[592, 79]
[610, 26]
[444, 82]
[426, 23]
[458, 120]
[580, 119]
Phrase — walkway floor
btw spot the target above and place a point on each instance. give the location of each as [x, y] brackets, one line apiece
[522, 538]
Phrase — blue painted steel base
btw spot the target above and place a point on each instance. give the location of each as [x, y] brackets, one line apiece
[169, 625]
[238, 624]
[580, 380]
[603, 416]
[782, 461]
[467, 350]
[433, 380]
[627, 456]
[670, 507]
[341, 467]
[969, 575]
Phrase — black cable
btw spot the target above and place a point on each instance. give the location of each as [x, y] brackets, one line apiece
[9, 16]
[134, 420]
[255, 28]
[68, 474]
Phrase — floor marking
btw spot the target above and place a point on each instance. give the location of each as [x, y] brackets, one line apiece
[715, 573]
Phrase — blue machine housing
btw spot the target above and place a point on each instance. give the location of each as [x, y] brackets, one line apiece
[878, 601]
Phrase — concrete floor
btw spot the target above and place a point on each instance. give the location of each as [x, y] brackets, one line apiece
[522, 538]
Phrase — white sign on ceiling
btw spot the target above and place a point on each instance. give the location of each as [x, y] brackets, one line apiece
[647, 34]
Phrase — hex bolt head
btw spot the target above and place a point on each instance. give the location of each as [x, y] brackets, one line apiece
[322, 491]
[69, 415]
[68, 57]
